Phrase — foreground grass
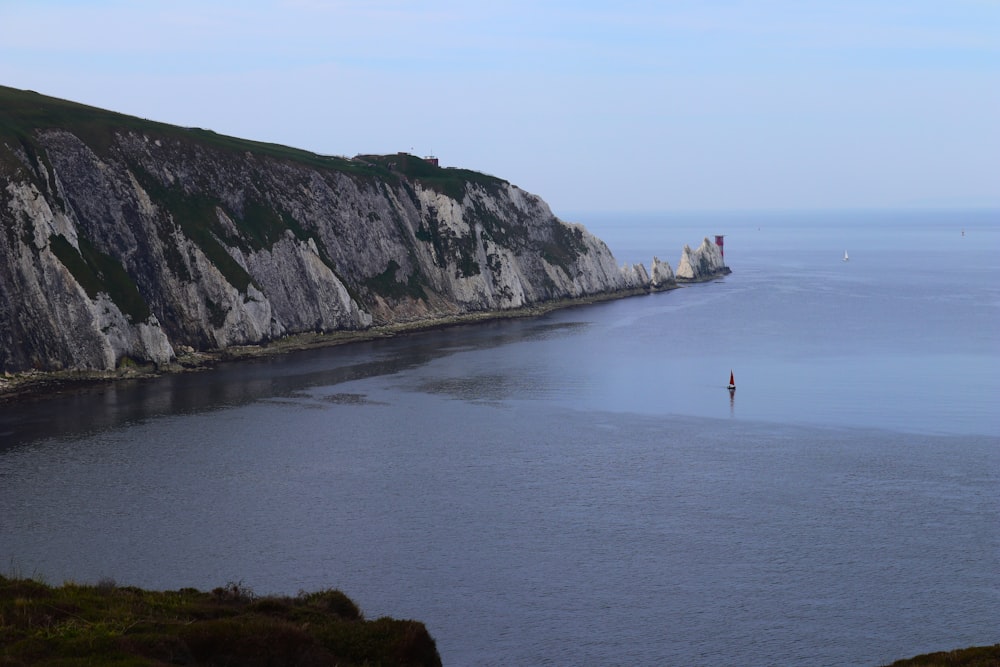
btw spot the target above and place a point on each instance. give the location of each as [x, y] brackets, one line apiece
[977, 656]
[105, 624]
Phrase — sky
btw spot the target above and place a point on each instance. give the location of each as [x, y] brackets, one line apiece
[610, 106]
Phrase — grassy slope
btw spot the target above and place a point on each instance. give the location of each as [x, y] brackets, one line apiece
[23, 112]
[110, 625]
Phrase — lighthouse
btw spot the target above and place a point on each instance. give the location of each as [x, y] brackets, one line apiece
[718, 242]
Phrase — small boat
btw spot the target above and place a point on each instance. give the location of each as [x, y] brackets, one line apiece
[732, 382]
[846, 258]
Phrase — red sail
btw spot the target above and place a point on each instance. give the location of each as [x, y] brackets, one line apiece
[732, 383]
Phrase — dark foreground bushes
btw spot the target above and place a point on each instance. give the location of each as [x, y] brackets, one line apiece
[977, 656]
[106, 624]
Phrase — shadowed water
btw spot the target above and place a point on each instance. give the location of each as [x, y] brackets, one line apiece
[581, 488]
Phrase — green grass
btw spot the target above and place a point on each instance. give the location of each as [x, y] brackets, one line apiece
[565, 248]
[196, 215]
[386, 284]
[98, 272]
[22, 112]
[446, 180]
[106, 624]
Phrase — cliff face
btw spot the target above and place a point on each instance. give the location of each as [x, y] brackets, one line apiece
[124, 240]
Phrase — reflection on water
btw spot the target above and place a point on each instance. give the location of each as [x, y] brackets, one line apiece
[350, 399]
[93, 409]
[494, 387]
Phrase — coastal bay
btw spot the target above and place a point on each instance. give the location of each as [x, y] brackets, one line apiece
[580, 486]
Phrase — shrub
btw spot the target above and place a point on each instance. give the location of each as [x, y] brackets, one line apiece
[112, 625]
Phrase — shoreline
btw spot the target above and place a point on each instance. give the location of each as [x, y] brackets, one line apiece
[40, 384]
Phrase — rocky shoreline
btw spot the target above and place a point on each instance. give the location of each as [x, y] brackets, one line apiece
[38, 384]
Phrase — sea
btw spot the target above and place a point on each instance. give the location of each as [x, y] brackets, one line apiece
[580, 488]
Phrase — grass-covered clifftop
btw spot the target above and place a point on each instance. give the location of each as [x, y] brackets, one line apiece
[24, 112]
[105, 624]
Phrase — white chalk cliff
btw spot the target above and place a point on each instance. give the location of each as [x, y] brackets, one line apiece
[126, 240]
[701, 264]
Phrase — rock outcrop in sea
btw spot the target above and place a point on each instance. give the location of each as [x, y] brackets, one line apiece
[127, 240]
[703, 263]
[662, 276]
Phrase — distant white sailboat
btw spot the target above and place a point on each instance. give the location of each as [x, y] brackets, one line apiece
[846, 258]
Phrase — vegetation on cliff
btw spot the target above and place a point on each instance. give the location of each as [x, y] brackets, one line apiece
[976, 656]
[110, 625]
[22, 112]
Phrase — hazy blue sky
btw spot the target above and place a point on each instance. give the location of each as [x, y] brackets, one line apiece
[617, 105]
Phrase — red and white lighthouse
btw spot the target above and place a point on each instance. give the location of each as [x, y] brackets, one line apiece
[718, 242]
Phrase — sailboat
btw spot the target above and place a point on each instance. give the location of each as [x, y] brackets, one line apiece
[846, 258]
[732, 382]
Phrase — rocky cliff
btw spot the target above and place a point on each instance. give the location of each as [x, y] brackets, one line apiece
[126, 240]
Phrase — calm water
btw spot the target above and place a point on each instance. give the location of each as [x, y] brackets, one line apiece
[581, 488]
